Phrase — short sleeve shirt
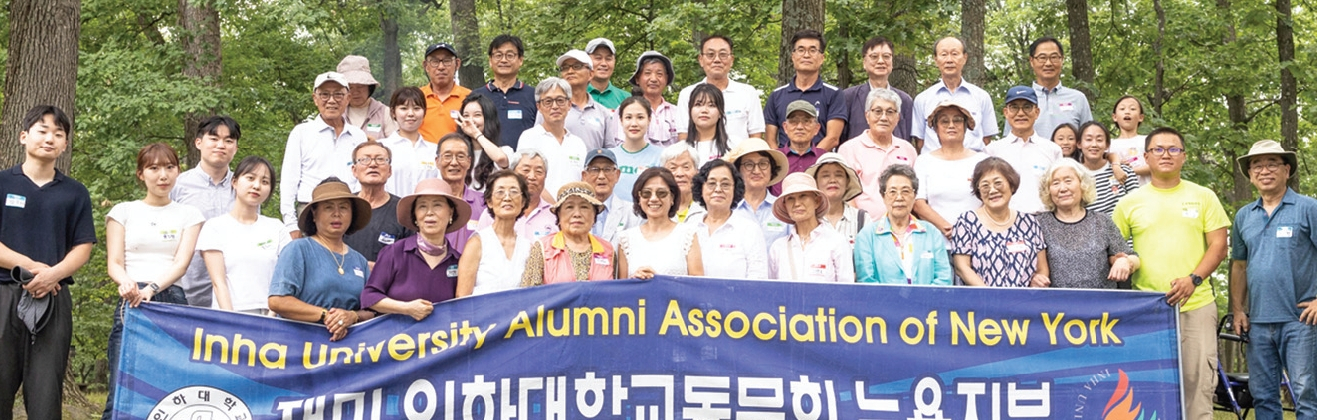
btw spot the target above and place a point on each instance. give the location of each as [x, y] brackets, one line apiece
[610, 97]
[1030, 158]
[309, 272]
[1281, 250]
[594, 124]
[152, 235]
[980, 106]
[1078, 253]
[1006, 259]
[631, 164]
[742, 111]
[402, 274]
[383, 230]
[44, 222]
[1169, 228]
[250, 253]
[437, 121]
[869, 161]
[565, 160]
[825, 97]
[1060, 105]
[516, 110]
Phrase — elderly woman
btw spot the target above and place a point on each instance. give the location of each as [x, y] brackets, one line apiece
[680, 160]
[1067, 136]
[1111, 179]
[563, 152]
[572, 254]
[1083, 246]
[872, 151]
[760, 167]
[901, 249]
[363, 111]
[942, 173]
[708, 124]
[496, 255]
[839, 184]
[537, 220]
[652, 77]
[660, 245]
[319, 278]
[811, 251]
[414, 273]
[994, 245]
[735, 242]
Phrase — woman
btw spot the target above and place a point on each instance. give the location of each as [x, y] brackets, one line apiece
[572, 254]
[872, 151]
[148, 244]
[1083, 246]
[901, 249]
[413, 274]
[839, 184]
[760, 167]
[1128, 146]
[811, 251]
[660, 245]
[1112, 179]
[943, 172]
[635, 154]
[240, 248]
[679, 159]
[496, 255]
[735, 242]
[1067, 136]
[480, 124]
[994, 245]
[413, 156]
[363, 110]
[708, 124]
[319, 278]
[652, 77]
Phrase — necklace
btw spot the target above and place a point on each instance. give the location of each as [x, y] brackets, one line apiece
[999, 223]
[333, 255]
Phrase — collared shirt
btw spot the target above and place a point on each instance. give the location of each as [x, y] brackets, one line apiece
[596, 125]
[856, 123]
[538, 223]
[825, 258]
[917, 256]
[743, 114]
[1030, 157]
[411, 163]
[1281, 251]
[312, 154]
[763, 215]
[565, 160]
[515, 107]
[617, 216]
[825, 97]
[797, 162]
[663, 125]
[975, 98]
[735, 250]
[849, 224]
[44, 222]
[460, 237]
[402, 274]
[610, 97]
[1060, 105]
[437, 121]
[196, 188]
[869, 161]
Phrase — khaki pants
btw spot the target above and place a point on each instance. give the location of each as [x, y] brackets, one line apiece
[1198, 360]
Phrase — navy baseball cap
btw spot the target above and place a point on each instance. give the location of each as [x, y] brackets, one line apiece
[441, 46]
[603, 153]
[1022, 92]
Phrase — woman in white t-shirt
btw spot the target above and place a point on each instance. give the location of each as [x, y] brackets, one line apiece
[1129, 145]
[708, 124]
[495, 256]
[945, 191]
[149, 243]
[241, 247]
[660, 245]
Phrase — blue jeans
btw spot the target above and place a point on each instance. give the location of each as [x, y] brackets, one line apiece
[1291, 346]
[172, 294]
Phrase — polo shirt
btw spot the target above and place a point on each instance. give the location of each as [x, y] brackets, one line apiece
[1030, 158]
[565, 160]
[975, 98]
[1169, 228]
[44, 223]
[515, 108]
[476, 201]
[610, 98]
[663, 124]
[312, 154]
[196, 188]
[1281, 250]
[763, 216]
[595, 125]
[797, 162]
[411, 163]
[402, 274]
[437, 121]
[825, 97]
[856, 123]
[869, 161]
[1060, 105]
[743, 115]
[382, 230]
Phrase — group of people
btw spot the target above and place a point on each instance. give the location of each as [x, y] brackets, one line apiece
[446, 192]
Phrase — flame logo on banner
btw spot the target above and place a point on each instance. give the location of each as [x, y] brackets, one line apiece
[1122, 405]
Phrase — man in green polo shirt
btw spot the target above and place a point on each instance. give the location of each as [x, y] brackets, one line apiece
[601, 88]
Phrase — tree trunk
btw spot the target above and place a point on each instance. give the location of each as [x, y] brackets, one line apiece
[1237, 110]
[1289, 114]
[1159, 75]
[1081, 51]
[842, 57]
[904, 75]
[200, 37]
[42, 69]
[392, 54]
[466, 31]
[797, 15]
[972, 13]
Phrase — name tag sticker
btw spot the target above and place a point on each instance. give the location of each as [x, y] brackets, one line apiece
[775, 226]
[1016, 247]
[1067, 106]
[386, 238]
[601, 261]
[15, 200]
[452, 270]
[727, 246]
[1285, 232]
[818, 269]
[927, 256]
[514, 114]
[357, 271]
[169, 235]
[1189, 213]
[374, 127]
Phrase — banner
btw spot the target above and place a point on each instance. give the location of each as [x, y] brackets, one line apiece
[673, 348]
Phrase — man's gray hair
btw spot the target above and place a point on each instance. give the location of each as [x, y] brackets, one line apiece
[529, 152]
[884, 94]
[548, 85]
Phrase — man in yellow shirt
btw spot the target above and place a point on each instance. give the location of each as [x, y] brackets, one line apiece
[442, 95]
[1179, 231]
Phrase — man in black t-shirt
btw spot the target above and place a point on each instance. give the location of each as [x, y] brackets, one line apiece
[371, 166]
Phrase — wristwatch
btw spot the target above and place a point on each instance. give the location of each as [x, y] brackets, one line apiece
[323, 314]
[1196, 278]
[154, 287]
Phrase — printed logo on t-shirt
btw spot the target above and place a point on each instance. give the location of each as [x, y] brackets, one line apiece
[169, 235]
[15, 200]
[266, 244]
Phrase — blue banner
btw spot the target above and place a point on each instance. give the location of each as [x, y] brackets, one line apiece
[673, 348]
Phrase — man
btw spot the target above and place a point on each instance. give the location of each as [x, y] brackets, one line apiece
[318, 149]
[742, 114]
[603, 56]
[587, 119]
[873, 150]
[807, 57]
[1272, 265]
[878, 56]
[514, 100]
[602, 173]
[1026, 151]
[1059, 104]
[46, 228]
[365, 112]
[949, 54]
[442, 95]
[1179, 231]
[371, 167]
[563, 152]
[454, 163]
[802, 124]
[209, 188]
[538, 220]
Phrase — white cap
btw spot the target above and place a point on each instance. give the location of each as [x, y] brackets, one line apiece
[332, 76]
[598, 42]
[577, 55]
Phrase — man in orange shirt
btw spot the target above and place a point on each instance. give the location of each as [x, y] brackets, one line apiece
[443, 95]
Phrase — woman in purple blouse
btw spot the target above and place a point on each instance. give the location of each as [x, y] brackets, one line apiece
[413, 274]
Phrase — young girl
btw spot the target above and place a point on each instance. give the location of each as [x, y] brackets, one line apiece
[1067, 136]
[1128, 146]
[241, 247]
[708, 126]
[636, 153]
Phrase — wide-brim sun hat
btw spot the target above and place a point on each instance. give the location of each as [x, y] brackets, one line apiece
[578, 189]
[949, 103]
[357, 70]
[755, 145]
[333, 191]
[853, 187]
[798, 183]
[434, 186]
[1269, 147]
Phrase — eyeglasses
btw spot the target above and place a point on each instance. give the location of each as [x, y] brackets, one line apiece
[1025, 107]
[756, 166]
[379, 160]
[889, 112]
[1054, 58]
[801, 120]
[596, 170]
[572, 67]
[661, 194]
[807, 51]
[720, 55]
[503, 56]
[714, 186]
[878, 57]
[554, 102]
[449, 157]
[508, 193]
[951, 121]
[440, 62]
[326, 96]
[986, 186]
[1165, 150]
[903, 192]
[1270, 167]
